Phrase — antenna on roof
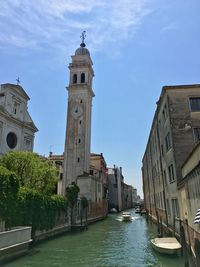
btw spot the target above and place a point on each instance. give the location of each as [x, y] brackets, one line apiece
[50, 151]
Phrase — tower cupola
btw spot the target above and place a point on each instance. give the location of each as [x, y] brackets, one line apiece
[82, 50]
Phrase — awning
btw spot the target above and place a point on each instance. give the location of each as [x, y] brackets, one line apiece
[197, 217]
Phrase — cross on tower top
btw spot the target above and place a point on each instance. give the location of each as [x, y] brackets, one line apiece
[18, 81]
[83, 36]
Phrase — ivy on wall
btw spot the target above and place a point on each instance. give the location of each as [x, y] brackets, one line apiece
[38, 210]
[9, 186]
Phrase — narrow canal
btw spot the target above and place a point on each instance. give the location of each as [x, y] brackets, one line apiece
[109, 243]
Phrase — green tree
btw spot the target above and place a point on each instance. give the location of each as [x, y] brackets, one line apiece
[33, 170]
[72, 196]
[9, 186]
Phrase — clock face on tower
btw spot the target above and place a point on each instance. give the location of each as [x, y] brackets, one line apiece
[76, 111]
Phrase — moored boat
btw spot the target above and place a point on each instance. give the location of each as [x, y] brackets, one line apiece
[166, 245]
[126, 216]
[143, 212]
[137, 210]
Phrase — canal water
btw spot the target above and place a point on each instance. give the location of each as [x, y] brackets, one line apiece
[108, 243]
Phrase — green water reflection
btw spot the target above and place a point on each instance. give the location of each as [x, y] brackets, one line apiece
[109, 243]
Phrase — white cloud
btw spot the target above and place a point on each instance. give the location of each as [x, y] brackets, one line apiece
[169, 27]
[34, 24]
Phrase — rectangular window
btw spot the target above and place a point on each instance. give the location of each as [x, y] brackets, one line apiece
[162, 151]
[168, 143]
[58, 163]
[171, 173]
[161, 201]
[28, 144]
[164, 112]
[175, 208]
[99, 188]
[165, 177]
[15, 108]
[168, 208]
[195, 103]
[196, 132]
[157, 200]
[155, 144]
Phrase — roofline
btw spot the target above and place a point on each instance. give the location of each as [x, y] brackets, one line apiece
[96, 154]
[14, 86]
[191, 153]
[163, 92]
[166, 87]
[56, 157]
[91, 155]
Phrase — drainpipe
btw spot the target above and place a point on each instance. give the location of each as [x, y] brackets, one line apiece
[148, 183]
[161, 168]
[154, 194]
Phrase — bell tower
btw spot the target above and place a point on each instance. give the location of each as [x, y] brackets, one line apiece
[78, 129]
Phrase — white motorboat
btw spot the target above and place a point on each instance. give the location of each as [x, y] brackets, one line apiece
[166, 245]
[113, 210]
[126, 216]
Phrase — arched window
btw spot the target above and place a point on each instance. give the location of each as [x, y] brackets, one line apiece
[82, 77]
[75, 78]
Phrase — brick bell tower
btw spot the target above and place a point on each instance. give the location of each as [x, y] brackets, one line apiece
[78, 129]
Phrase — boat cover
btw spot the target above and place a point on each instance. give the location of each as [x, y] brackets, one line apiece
[197, 217]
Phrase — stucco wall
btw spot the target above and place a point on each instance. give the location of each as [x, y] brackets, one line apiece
[15, 236]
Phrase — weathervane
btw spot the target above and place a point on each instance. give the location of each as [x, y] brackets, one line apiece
[83, 36]
[18, 81]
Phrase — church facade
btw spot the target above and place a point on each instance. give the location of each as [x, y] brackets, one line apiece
[17, 129]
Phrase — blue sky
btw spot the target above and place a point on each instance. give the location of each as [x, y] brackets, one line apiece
[137, 46]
